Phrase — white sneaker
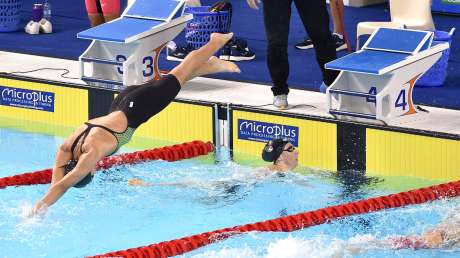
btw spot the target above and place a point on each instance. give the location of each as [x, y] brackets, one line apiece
[280, 101]
[45, 26]
[32, 28]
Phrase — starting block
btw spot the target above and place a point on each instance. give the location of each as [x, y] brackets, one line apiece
[125, 51]
[377, 82]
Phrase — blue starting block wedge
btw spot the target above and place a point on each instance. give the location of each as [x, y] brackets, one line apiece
[399, 40]
[162, 10]
[377, 81]
[125, 51]
[124, 30]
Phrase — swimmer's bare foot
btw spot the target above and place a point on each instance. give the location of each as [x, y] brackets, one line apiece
[219, 66]
[220, 38]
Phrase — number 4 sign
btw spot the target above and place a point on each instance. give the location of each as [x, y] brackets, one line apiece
[403, 101]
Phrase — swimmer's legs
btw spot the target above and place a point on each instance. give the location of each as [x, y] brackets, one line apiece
[216, 65]
[199, 62]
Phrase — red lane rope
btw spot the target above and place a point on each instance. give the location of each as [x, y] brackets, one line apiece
[169, 153]
[293, 222]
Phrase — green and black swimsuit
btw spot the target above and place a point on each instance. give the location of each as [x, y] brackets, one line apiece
[139, 103]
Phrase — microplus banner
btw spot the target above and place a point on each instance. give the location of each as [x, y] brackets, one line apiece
[262, 132]
[23, 98]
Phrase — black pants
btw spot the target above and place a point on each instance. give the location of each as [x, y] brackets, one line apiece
[315, 18]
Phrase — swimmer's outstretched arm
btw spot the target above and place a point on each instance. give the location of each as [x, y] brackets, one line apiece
[367, 243]
[86, 163]
[140, 182]
[428, 240]
[446, 234]
[264, 172]
[62, 157]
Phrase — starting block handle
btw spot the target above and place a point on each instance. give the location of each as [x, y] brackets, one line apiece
[355, 114]
[91, 79]
[114, 63]
[349, 113]
[352, 93]
[101, 61]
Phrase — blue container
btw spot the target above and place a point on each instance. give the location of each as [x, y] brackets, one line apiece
[436, 75]
[9, 15]
[199, 29]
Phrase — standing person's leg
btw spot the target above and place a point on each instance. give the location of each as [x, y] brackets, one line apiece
[277, 14]
[110, 17]
[192, 3]
[340, 36]
[201, 61]
[315, 18]
[337, 7]
[94, 10]
[111, 9]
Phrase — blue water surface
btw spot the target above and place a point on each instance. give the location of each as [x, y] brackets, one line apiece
[190, 197]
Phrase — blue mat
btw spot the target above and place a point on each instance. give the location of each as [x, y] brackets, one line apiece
[120, 30]
[248, 24]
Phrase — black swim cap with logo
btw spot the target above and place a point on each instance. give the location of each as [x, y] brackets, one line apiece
[71, 165]
[273, 149]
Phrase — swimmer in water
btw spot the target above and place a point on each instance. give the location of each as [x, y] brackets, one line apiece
[445, 235]
[279, 151]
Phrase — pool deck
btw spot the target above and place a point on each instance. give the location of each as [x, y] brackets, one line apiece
[301, 102]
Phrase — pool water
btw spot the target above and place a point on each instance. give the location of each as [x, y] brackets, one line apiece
[190, 197]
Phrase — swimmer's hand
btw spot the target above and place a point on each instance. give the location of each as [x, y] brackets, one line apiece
[433, 238]
[138, 182]
[39, 210]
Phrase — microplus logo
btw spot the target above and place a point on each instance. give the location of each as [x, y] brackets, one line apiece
[263, 132]
[32, 99]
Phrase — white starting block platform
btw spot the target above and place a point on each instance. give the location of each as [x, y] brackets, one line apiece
[377, 82]
[125, 51]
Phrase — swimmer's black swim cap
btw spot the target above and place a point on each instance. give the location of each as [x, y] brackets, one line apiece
[71, 165]
[273, 149]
